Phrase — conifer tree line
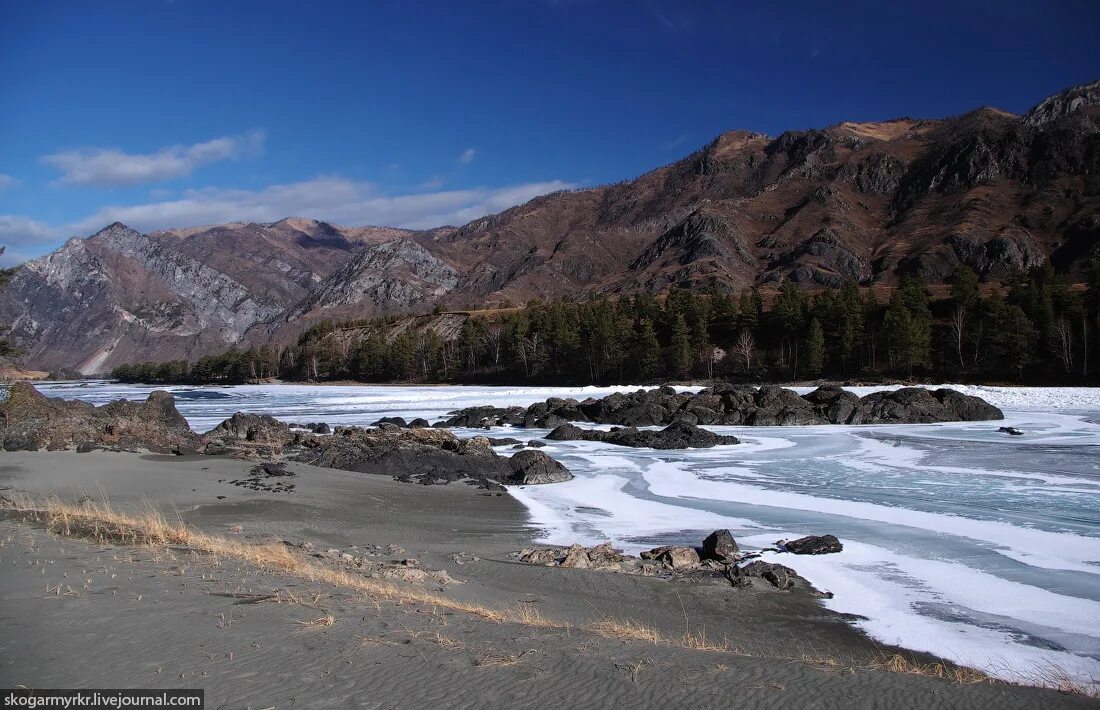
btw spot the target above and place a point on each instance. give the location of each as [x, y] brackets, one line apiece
[1035, 327]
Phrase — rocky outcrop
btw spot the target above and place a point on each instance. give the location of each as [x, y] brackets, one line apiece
[718, 558]
[260, 428]
[678, 435]
[30, 421]
[1063, 104]
[390, 276]
[426, 456]
[726, 405]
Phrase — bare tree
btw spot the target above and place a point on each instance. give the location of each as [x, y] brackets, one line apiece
[745, 348]
[958, 330]
[494, 342]
[1084, 345]
[529, 352]
[1063, 342]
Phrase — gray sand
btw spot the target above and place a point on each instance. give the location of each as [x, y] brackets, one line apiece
[128, 617]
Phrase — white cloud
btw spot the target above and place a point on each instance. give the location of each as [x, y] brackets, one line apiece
[333, 199]
[7, 181]
[23, 238]
[110, 167]
[467, 156]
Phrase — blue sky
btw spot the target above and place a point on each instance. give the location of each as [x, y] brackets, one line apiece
[423, 113]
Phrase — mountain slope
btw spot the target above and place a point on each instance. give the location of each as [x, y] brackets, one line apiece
[120, 295]
[855, 201]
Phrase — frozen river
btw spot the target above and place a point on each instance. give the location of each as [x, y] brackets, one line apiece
[958, 540]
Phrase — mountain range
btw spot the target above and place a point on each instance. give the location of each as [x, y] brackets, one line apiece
[868, 202]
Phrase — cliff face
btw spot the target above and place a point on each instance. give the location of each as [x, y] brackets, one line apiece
[855, 201]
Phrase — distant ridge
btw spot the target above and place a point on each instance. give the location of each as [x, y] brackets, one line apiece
[867, 202]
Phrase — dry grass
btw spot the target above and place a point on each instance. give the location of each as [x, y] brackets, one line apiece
[99, 523]
[897, 663]
[698, 640]
[1060, 679]
[626, 630]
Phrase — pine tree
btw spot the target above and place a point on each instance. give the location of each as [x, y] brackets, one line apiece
[815, 348]
[647, 350]
[907, 325]
[679, 351]
[851, 323]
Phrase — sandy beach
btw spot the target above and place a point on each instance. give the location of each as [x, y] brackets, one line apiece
[85, 614]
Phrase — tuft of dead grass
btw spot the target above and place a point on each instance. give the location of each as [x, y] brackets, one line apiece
[897, 663]
[625, 629]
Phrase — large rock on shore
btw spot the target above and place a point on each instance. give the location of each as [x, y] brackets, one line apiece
[739, 405]
[260, 428]
[428, 456]
[29, 420]
[678, 435]
[534, 467]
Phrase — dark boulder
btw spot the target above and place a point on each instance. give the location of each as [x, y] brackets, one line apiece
[779, 576]
[777, 406]
[721, 546]
[534, 467]
[256, 428]
[836, 405]
[965, 408]
[503, 441]
[396, 421]
[1011, 430]
[908, 405]
[812, 545]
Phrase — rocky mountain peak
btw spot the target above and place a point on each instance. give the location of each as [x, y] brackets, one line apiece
[116, 230]
[1064, 103]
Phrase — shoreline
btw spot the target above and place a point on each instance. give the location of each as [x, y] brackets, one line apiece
[438, 525]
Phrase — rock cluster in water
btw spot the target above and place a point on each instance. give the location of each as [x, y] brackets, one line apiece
[719, 556]
[678, 435]
[739, 405]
